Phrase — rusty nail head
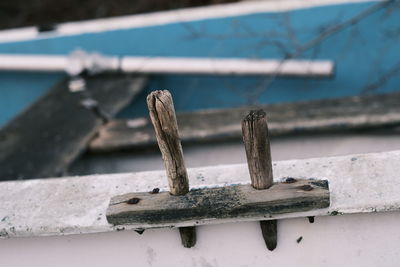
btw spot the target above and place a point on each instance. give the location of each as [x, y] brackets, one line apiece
[155, 191]
[290, 180]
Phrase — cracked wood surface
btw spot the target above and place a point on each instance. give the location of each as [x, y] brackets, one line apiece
[162, 114]
[258, 151]
[228, 202]
[258, 154]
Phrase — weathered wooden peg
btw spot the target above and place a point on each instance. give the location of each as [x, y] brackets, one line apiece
[156, 209]
[258, 153]
[162, 114]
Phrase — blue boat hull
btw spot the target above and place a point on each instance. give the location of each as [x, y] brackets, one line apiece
[365, 54]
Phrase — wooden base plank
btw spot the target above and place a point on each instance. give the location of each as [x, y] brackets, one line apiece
[236, 201]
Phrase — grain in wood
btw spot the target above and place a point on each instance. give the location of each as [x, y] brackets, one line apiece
[258, 153]
[201, 205]
[162, 114]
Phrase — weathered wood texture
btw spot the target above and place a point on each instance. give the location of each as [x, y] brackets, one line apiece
[258, 151]
[188, 236]
[45, 138]
[269, 230]
[341, 114]
[162, 114]
[259, 162]
[236, 201]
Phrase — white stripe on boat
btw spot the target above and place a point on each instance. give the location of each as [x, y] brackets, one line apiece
[165, 17]
[76, 63]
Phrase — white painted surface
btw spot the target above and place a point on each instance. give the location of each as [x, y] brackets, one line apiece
[75, 64]
[358, 183]
[369, 240]
[33, 63]
[226, 66]
[165, 17]
[76, 205]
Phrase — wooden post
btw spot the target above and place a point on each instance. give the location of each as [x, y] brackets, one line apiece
[162, 114]
[258, 153]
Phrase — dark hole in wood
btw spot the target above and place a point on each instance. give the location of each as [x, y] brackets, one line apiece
[306, 187]
[134, 200]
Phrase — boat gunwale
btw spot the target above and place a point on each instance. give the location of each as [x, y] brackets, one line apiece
[77, 205]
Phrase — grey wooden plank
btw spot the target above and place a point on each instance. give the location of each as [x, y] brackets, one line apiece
[235, 201]
[45, 138]
[349, 113]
